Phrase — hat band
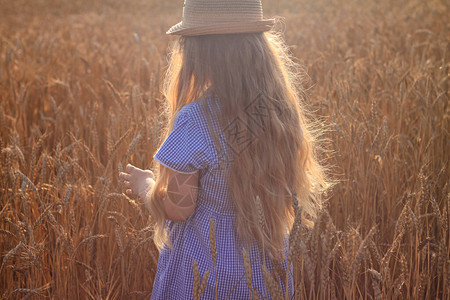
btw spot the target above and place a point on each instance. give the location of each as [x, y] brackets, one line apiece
[201, 20]
[218, 28]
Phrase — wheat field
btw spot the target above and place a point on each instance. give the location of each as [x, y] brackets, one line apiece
[80, 98]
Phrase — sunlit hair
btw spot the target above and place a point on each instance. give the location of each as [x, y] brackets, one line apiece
[237, 69]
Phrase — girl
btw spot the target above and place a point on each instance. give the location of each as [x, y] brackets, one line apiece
[236, 152]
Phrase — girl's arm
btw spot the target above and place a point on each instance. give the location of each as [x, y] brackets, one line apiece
[182, 191]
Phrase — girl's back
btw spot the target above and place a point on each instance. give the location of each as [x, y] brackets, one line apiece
[189, 147]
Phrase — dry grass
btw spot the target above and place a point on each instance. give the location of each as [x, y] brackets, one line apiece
[79, 89]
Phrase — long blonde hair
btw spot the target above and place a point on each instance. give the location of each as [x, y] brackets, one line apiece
[237, 69]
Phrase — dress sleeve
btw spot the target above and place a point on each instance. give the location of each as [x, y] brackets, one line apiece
[185, 149]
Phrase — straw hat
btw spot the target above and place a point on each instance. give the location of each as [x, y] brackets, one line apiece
[202, 17]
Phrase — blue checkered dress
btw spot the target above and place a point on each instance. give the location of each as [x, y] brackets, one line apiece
[190, 148]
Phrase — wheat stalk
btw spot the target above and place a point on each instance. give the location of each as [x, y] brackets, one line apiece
[196, 280]
[213, 250]
[248, 270]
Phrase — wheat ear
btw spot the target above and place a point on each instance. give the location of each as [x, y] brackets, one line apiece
[274, 287]
[203, 284]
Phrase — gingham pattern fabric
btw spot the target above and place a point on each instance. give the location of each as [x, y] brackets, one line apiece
[190, 148]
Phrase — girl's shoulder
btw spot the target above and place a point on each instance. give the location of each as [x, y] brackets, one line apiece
[197, 104]
[196, 109]
[190, 111]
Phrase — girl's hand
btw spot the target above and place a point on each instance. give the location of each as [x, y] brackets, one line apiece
[137, 181]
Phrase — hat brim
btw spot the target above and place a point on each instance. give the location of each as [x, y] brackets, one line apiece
[222, 28]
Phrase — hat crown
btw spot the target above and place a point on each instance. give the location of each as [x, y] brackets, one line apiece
[206, 12]
[202, 17]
